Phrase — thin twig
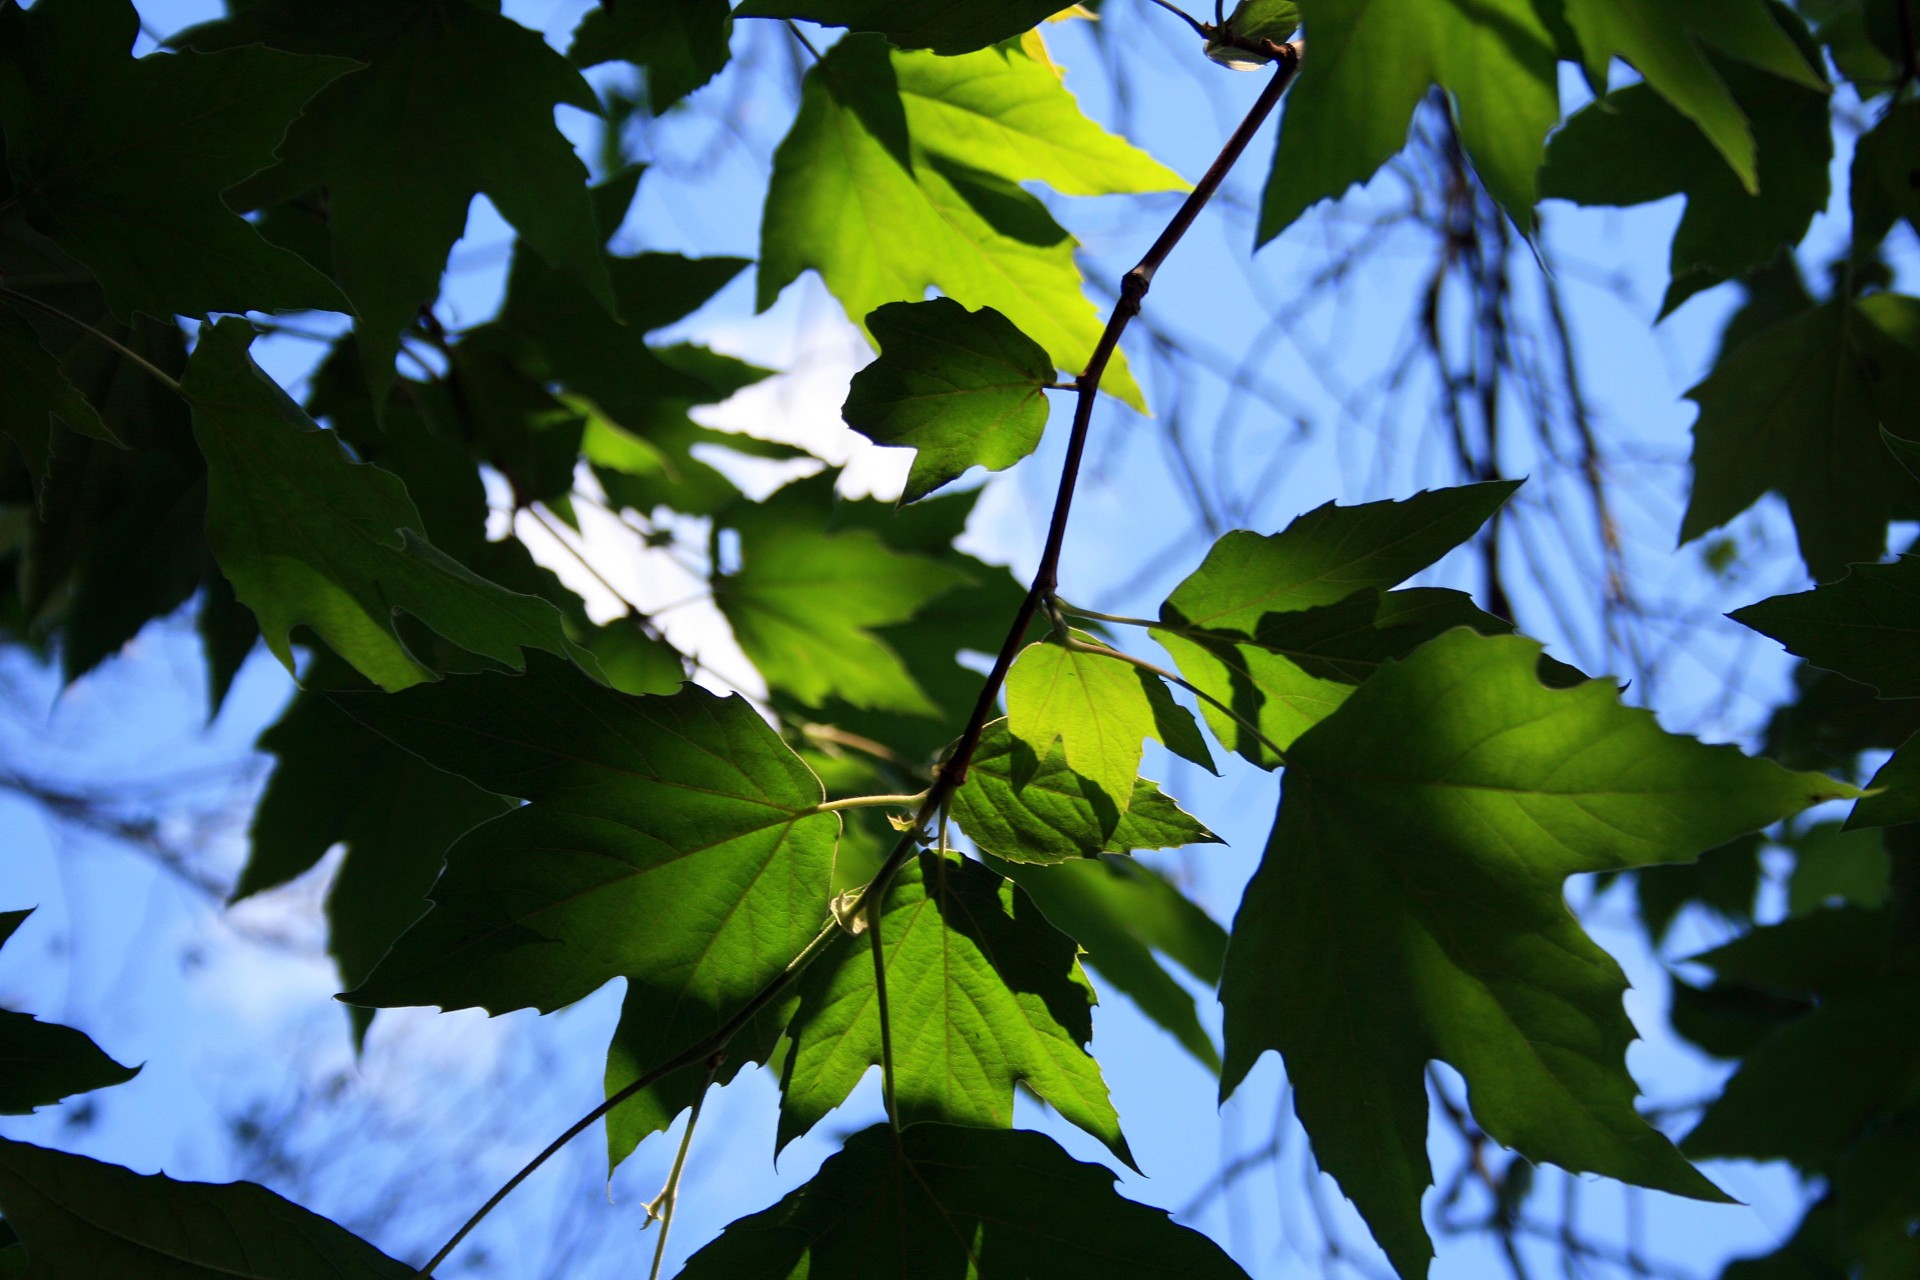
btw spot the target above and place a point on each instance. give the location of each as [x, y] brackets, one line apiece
[670, 1194]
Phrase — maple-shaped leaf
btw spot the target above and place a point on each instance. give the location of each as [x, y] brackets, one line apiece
[1866, 626]
[43, 1062]
[917, 24]
[901, 172]
[674, 841]
[308, 537]
[1038, 810]
[1798, 409]
[804, 605]
[1121, 912]
[335, 781]
[35, 395]
[1372, 63]
[680, 44]
[1667, 44]
[982, 993]
[1633, 146]
[80, 1219]
[1231, 625]
[1409, 908]
[122, 160]
[963, 388]
[454, 101]
[1100, 709]
[966, 1202]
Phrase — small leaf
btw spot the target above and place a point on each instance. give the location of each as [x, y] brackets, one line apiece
[972, 1202]
[917, 24]
[309, 537]
[964, 388]
[37, 395]
[83, 1220]
[43, 1062]
[122, 160]
[1894, 793]
[1409, 908]
[1054, 814]
[1253, 20]
[681, 44]
[982, 993]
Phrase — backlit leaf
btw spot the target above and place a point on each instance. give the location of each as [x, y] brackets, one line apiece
[917, 24]
[1410, 908]
[681, 44]
[1866, 626]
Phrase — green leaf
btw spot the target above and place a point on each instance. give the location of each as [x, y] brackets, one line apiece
[1817, 954]
[310, 538]
[1276, 626]
[1833, 865]
[1667, 45]
[84, 1220]
[981, 992]
[804, 604]
[672, 841]
[974, 1202]
[1725, 880]
[454, 100]
[1797, 409]
[681, 44]
[1885, 184]
[1121, 911]
[122, 160]
[1632, 146]
[1866, 626]
[337, 782]
[1054, 814]
[1894, 793]
[1372, 62]
[1099, 709]
[917, 24]
[964, 388]
[43, 1062]
[1256, 20]
[37, 395]
[1409, 907]
[900, 172]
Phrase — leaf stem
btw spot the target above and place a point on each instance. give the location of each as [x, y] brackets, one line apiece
[863, 802]
[886, 1017]
[1119, 618]
[670, 1194]
[152, 370]
[951, 774]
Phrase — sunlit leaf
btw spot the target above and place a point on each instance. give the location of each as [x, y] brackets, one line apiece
[917, 24]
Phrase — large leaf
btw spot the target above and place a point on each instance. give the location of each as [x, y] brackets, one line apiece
[83, 1220]
[963, 388]
[310, 538]
[1667, 45]
[944, 1201]
[982, 992]
[454, 100]
[1233, 627]
[43, 1062]
[682, 44]
[1372, 62]
[900, 172]
[938, 25]
[1866, 626]
[1041, 811]
[1100, 709]
[1798, 409]
[1409, 907]
[673, 841]
[1121, 911]
[122, 160]
[1633, 146]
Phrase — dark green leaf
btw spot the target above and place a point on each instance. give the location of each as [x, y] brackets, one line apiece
[1833, 866]
[43, 1062]
[1886, 176]
[455, 100]
[309, 537]
[681, 44]
[899, 173]
[84, 1220]
[1121, 911]
[964, 388]
[1724, 880]
[1410, 907]
[1372, 63]
[671, 841]
[982, 992]
[917, 24]
[1051, 815]
[1897, 788]
[1866, 626]
[974, 1202]
[1814, 954]
[122, 160]
[1797, 409]
[37, 395]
